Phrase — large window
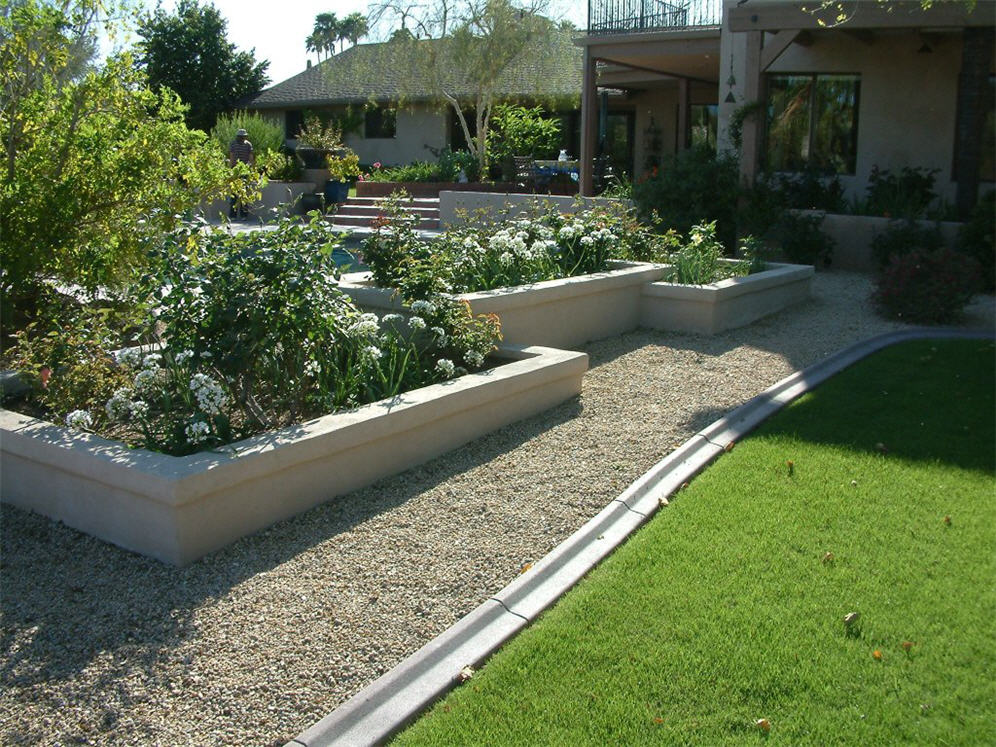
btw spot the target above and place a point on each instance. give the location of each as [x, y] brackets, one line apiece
[380, 123]
[813, 122]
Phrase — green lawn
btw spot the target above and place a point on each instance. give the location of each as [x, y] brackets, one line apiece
[728, 606]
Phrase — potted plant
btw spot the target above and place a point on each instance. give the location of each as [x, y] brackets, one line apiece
[343, 166]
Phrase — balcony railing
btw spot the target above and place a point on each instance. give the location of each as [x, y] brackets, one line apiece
[622, 16]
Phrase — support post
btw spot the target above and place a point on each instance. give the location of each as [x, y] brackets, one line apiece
[589, 124]
[684, 113]
[750, 158]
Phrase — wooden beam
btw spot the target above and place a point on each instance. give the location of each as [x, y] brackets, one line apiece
[896, 14]
[655, 71]
[589, 124]
[864, 36]
[776, 45]
[684, 115]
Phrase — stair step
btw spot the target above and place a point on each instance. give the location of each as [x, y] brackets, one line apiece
[428, 212]
[339, 219]
[416, 202]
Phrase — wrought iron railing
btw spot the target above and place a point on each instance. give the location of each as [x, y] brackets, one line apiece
[621, 16]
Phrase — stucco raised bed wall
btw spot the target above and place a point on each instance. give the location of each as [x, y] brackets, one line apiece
[853, 236]
[428, 189]
[177, 509]
[456, 208]
[559, 313]
[730, 303]
[273, 195]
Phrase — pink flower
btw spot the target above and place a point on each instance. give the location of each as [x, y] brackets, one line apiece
[377, 164]
[44, 375]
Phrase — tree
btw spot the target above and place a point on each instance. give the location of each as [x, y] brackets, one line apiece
[95, 163]
[188, 52]
[466, 65]
[353, 28]
[324, 34]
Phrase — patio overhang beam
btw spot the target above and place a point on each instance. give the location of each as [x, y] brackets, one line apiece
[898, 14]
[655, 71]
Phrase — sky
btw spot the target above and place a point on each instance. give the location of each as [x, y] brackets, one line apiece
[277, 30]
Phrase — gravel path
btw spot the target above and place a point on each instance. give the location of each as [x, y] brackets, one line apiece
[256, 642]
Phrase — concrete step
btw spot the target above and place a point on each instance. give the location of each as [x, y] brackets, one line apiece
[415, 202]
[425, 212]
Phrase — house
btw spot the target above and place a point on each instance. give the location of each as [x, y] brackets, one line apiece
[846, 88]
[395, 118]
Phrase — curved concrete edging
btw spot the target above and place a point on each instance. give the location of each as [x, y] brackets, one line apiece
[392, 701]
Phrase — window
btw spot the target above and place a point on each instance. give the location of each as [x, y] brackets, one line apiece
[293, 123]
[705, 124]
[380, 123]
[813, 122]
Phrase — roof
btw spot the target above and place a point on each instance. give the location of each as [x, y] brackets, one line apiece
[376, 72]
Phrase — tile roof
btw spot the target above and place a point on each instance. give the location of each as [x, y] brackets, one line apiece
[376, 72]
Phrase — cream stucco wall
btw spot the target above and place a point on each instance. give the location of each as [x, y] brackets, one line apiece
[907, 104]
[420, 131]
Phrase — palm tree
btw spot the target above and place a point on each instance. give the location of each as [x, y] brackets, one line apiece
[326, 32]
[353, 28]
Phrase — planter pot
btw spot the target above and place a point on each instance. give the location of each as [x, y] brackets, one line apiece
[336, 192]
[559, 313]
[177, 509]
[735, 302]
[429, 189]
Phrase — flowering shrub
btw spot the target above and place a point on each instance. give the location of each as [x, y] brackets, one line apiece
[507, 252]
[248, 332]
[927, 287]
[697, 262]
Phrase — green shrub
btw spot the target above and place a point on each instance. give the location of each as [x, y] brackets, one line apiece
[699, 260]
[977, 239]
[813, 190]
[927, 286]
[904, 195]
[417, 171]
[902, 237]
[520, 131]
[693, 187]
[452, 162]
[265, 135]
[802, 240]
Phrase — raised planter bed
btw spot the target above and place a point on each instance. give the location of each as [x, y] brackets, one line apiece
[853, 235]
[430, 189]
[274, 195]
[177, 509]
[727, 304]
[559, 313]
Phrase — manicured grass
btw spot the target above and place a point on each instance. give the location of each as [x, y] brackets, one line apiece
[728, 606]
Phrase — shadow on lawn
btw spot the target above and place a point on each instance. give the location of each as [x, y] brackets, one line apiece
[65, 594]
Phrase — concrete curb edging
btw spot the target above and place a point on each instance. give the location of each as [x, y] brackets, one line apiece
[396, 698]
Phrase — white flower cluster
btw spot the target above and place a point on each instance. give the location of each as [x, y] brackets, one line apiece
[416, 322]
[365, 326]
[441, 336]
[152, 361]
[471, 246]
[371, 352]
[392, 319]
[446, 366]
[146, 379]
[129, 357]
[210, 396]
[183, 356]
[121, 406]
[473, 358]
[515, 243]
[79, 419]
[571, 230]
[312, 368]
[423, 307]
[197, 432]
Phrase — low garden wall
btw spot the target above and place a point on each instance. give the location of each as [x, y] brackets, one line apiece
[853, 236]
[429, 189]
[730, 303]
[455, 208]
[559, 313]
[177, 509]
[273, 195]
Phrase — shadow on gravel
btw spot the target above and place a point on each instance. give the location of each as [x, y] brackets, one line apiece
[67, 597]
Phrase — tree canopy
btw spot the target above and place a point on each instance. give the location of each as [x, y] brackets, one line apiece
[330, 30]
[95, 162]
[188, 52]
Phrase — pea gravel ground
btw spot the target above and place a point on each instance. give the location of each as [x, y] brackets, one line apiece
[256, 642]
